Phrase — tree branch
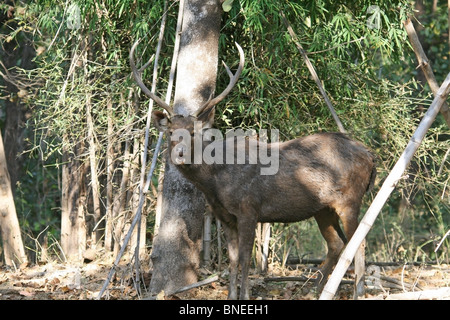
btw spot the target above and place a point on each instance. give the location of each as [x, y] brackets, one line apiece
[425, 65]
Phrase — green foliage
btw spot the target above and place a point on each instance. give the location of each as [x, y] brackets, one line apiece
[358, 66]
[367, 71]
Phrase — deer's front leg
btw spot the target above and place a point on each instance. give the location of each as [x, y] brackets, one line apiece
[246, 229]
[233, 253]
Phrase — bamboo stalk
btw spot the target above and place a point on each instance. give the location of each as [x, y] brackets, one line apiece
[385, 191]
[92, 155]
[209, 280]
[425, 65]
[109, 173]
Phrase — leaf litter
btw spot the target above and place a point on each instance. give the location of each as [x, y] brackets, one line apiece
[65, 281]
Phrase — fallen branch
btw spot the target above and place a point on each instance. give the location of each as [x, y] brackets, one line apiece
[281, 279]
[198, 284]
[385, 191]
[300, 261]
[377, 282]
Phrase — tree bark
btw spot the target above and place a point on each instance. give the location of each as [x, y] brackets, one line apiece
[176, 248]
[73, 224]
[13, 248]
[17, 53]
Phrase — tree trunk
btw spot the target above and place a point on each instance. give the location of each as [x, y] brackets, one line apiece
[9, 225]
[109, 230]
[93, 160]
[17, 53]
[176, 248]
[73, 225]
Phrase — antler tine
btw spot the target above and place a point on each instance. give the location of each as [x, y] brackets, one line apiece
[137, 76]
[233, 79]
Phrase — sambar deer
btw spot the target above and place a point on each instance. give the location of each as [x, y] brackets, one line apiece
[324, 176]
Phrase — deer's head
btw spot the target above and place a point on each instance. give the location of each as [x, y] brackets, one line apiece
[179, 125]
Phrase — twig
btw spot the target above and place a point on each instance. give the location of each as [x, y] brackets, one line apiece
[59, 28]
[442, 240]
[198, 284]
[313, 73]
[443, 161]
[301, 278]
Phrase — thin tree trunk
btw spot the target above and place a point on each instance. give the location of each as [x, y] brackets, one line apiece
[120, 198]
[13, 248]
[93, 163]
[425, 66]
[73, 194]
[176, 248]
[109, 230]
[18, 53]
[385, 191]
[73, 225]
[219, 244]
[173, 67]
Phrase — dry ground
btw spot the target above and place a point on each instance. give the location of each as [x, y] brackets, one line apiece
[56, 281]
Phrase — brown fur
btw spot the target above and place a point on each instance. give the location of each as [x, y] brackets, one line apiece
[323, 176]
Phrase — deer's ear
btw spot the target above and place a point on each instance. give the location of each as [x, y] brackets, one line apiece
[160, 120]
[207, 117]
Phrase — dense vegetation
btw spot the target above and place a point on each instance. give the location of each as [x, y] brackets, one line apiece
[78, 100]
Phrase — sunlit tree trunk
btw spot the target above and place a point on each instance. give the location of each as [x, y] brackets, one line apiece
[176, 249]
[13, 248]
[73, 224]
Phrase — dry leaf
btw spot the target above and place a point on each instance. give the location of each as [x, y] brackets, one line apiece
[160, 296]
[40, 50]
[65, 289]
[27, 293]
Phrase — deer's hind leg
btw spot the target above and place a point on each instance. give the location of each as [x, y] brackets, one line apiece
[349, 217]
[328, 222]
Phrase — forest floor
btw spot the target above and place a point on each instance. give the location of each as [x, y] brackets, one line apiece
[57, 281]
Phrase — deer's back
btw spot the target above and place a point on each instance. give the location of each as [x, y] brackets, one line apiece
[317, 171]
